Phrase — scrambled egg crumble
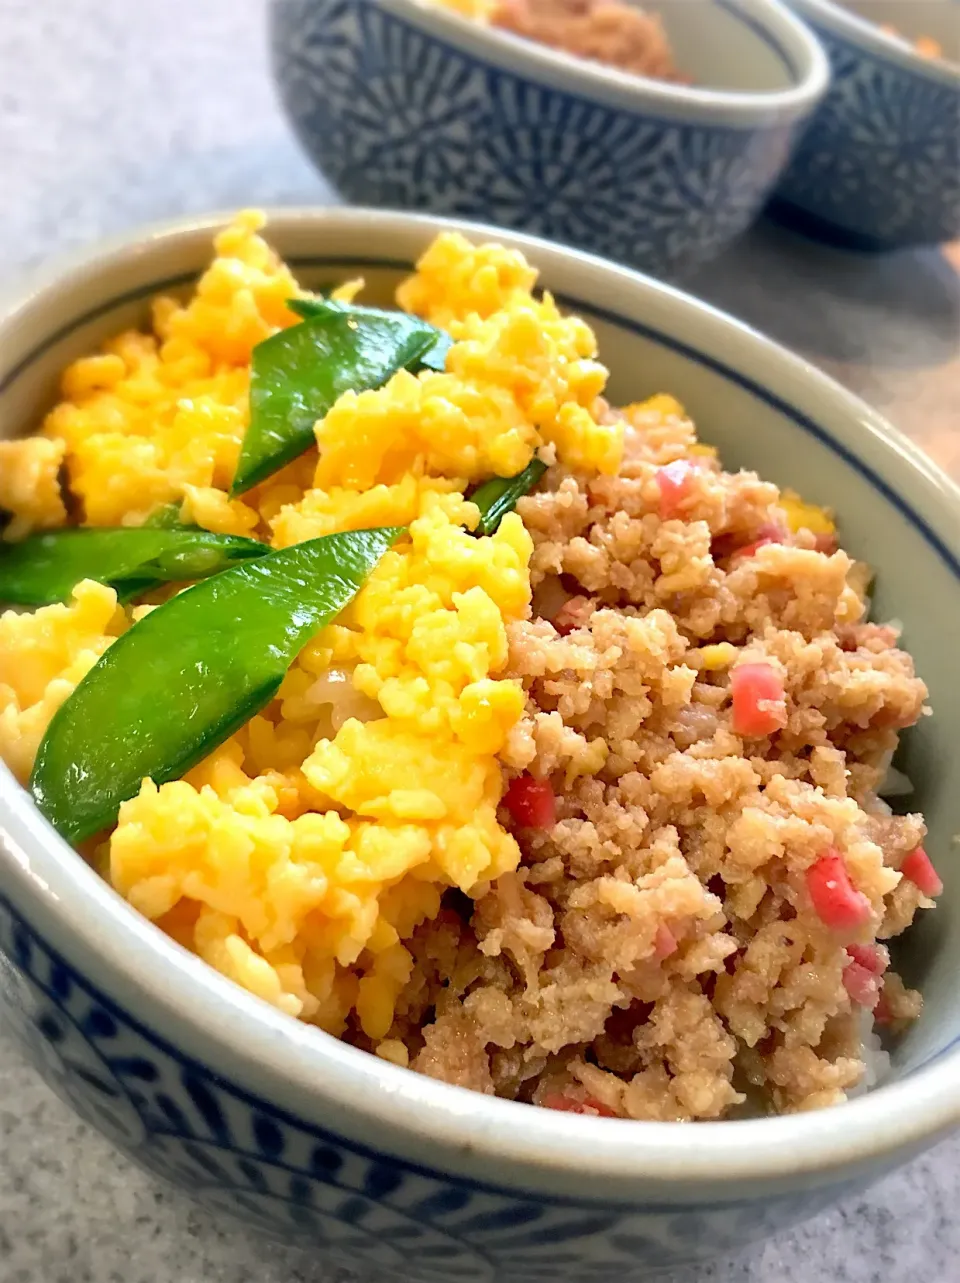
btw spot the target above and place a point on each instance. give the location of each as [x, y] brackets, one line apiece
[302, 853]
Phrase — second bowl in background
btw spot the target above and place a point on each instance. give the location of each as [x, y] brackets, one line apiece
[879, 167]
[404, 104]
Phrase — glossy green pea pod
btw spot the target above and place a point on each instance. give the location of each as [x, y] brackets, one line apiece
[189, 674]
[497, 497]
[298, 374]
[45, 568]
[434, 358]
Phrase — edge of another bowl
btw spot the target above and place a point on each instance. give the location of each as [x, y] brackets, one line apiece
[871, 38]
[771, 19]
[318, 1078]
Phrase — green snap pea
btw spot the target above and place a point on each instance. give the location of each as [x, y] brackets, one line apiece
[318, 305]
[497, 497]
[434, 358]
[166, 517]
[45, 568]
[189, 674]
[297, 375]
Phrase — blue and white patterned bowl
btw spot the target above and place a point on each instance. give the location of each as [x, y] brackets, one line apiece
[307, 1138]
[879, 167]
[412, 107]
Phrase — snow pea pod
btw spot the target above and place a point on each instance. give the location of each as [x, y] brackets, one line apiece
[45, 568]
[189, 674]
[434, 358]
[317, 305]
[297, 375]
[498, 496]
[167, 517]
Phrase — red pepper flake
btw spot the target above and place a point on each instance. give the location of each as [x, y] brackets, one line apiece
[872, 956]
[574, 613]
[674, 481]
[567, 1105]
[731, 548]
[759, 707]
[919, 869]
[767, 534]
[836, 901]
[531, 802]
[750, 549]
[862, 984]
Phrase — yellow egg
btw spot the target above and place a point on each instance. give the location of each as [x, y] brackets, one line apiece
[30, 485]
[715, 658]
[806, 516]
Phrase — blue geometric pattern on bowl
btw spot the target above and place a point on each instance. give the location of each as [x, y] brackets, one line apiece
[879, 166]
[288, 1179]
[396, 117]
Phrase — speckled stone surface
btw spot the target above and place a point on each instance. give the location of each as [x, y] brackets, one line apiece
[113, 112]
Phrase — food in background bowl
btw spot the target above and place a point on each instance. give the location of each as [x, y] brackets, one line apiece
[605, 31]
[925, 46]
[502, 733]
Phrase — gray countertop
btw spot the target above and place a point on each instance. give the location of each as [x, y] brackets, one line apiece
[113, 112]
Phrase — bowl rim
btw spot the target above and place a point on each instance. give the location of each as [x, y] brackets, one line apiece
[897, 50]
[772, 20]
[529, 1148]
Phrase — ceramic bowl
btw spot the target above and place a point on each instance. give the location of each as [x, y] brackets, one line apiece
[406, 105]
[879, 167]
[313, 1140]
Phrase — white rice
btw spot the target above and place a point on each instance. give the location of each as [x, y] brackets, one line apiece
[877, 1060]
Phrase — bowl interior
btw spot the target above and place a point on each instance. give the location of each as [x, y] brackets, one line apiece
[737, 46]
[912, 19]
[761, 407]
[724, 45]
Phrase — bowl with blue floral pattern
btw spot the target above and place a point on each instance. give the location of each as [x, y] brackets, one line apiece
[879, 167]
[396, 1174]
[408, 105]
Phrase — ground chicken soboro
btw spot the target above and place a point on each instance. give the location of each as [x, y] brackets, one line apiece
[584, 814]
[608, 31]
[657, 954]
